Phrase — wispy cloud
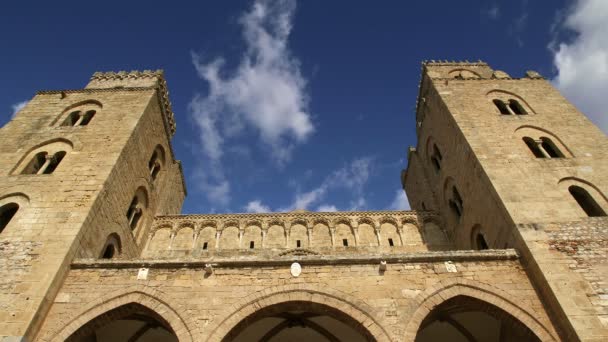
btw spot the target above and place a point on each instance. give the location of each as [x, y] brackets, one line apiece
[17, 107]
[582, 63]
[517, 27]
[400, 201]
[492, 13]
[352, 177]
[327, 208]
[265, 93]
[256, 206]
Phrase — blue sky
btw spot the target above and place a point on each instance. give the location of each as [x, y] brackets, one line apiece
[284, 105]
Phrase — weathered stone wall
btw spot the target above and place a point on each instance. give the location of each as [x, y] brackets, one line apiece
[74, 209]
[508, 193]
[203, 307]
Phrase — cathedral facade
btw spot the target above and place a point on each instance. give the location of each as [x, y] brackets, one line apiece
[507, 239]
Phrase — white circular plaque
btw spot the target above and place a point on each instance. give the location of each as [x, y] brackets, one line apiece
[296, 269]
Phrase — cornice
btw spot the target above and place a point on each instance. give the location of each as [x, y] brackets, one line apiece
[305, 260]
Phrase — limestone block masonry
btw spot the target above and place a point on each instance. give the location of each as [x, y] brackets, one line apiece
[507, 240]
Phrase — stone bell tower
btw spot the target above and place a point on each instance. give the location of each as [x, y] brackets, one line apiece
[510, 163]
[83, 173]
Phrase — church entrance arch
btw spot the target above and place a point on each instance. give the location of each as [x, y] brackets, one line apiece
[298, 321]
[130, 322]
[468, 319]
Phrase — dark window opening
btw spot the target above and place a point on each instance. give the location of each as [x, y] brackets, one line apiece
[205, 245]
[35, 164]
[154, 165]
[345, 242]
[533, 146]
[55, 160]
[423, 206]
[108, 253]
[71, 119]
[390, 242]
[480, 241]
[251, 244]
[7, 212]
[586, 202]
[298, 243]
[455, 203]
[436, 158]
[502, 107]
[87, 117]
[134, 213]
[550, 148]
[516, 107]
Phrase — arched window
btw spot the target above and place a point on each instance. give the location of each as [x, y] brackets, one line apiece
[112, 247]
[534, 147]
[480, 242]
[455, 203]
[436, 158]
[43, 163]
[7, 212]
[586, 202]
[502, 107]
[156, 161]
[549, 147]
[79, 118]
[136, 208]
[516, 108]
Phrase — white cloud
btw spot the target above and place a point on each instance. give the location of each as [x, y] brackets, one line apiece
[257, 207]
[400, 201]
[17, 107]
[353, 177]
[265, 94]
[492, 13]
[582, 64]
[327, 208]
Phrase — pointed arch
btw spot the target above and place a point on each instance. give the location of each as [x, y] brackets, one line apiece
[138, 294]
[359, 311]
[509, 99]
[450, 288]
[549, 140]
[85, 105]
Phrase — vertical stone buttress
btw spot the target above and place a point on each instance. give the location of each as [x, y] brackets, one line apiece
[73, 211]
[515, 193]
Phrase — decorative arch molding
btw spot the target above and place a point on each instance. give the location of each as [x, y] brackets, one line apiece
[578, 181]
[347, 304]
[18, 197]
[84, 103]
[464, 73]
[52, 145]
[505, 94]
[538, 132]
[433, 296]
[139, 294]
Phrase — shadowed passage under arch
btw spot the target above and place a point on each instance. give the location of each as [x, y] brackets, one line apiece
[131, 322]
[298, 321]
[466, 319]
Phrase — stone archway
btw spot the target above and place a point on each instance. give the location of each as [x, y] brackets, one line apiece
[135, 300]
[464, 296]
[276, 310]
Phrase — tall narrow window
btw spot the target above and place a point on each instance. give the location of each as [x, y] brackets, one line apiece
[455, 203]
[534, 148]
[480, 241]
[436, 158]
[112, 247]
[586, 202]
[549, 147]
[154, 165]
[35, 164]
[86, 118]
[71, 119]
[54, 162]
[516, 107]
[502, 107]
[7, 212]
[108, 253]
[134, 213]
